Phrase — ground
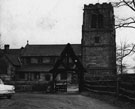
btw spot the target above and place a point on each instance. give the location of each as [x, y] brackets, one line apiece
[53, 101]
[121, 102]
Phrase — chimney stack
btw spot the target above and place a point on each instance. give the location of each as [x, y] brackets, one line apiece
[6, 47]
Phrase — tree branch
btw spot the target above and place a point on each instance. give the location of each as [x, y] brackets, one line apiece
[126, 23]
[129, 4]
[129, 52]
[134, 3]
[119, 26]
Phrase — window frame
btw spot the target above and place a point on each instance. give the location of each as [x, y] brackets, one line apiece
[33, 62]
[97, 21]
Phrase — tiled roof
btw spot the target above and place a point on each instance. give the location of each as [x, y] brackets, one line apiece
[35, 68]
[13, 51]
[48, 50]
[13, 56]
[14, 59]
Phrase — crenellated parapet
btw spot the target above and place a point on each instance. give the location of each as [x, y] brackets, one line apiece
[98, 5]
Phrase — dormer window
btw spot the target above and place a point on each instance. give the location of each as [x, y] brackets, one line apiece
[97, 21]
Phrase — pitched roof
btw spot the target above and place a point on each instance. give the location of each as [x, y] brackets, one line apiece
[14, 59]
[68, 51]
[13, 56]
[16, 52]
[48, 50]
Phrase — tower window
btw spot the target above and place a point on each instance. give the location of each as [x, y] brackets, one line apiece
[100, 21]
[97, 21]
[94, 21]
[97, 40]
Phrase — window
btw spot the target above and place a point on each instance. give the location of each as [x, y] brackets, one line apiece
[46, 60]
[40, 60]
[53, 59]
[97, 21]
[27, 60]
[100, 21]
[34, 60]
[97, 39]
[36, 76]
[94, 21]
[22, 76]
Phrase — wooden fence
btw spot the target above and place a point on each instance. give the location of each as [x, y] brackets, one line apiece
[121, 85]
[126, 86]
[101, 86]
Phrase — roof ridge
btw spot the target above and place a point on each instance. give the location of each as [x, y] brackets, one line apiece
[49, 44]
[47, 50]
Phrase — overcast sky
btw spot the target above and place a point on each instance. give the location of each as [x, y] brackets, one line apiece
[50, 22]
[46, 21]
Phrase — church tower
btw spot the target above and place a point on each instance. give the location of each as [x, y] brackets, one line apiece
[98, 39]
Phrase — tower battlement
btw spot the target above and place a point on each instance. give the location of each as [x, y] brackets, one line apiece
[98, 5]
[98, 15]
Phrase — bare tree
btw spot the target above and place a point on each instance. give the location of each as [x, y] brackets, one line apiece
[122, 51]
[126, 22]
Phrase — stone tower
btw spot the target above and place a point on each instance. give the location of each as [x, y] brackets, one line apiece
[98, 39]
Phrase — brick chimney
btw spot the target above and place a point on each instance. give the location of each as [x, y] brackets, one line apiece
[6, 47]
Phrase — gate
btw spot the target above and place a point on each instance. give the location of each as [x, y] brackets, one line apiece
[67, 62]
